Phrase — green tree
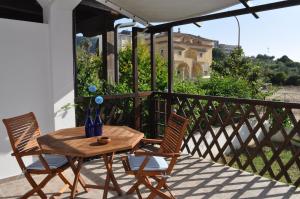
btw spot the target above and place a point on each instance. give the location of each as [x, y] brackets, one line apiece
[240, 67]
[284, 59]
[235, 76]
[218, 54]
[88, 66]
[237, 65]
[265, 58]
[293, 80]
[278, 78]
[90, 71]
[144, 68]
[189, 86]
[227, 86]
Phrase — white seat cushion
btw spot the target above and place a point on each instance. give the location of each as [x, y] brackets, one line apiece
[54, 162]
[155, 163]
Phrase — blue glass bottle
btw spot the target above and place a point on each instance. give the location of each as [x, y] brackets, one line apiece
[89, 126]
[98, 124]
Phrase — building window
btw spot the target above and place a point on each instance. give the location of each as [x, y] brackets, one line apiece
[180, 52]
[200, 54]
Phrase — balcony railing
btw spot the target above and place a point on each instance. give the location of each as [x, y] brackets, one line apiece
[261, 137]
[257, 136]
[118, 110]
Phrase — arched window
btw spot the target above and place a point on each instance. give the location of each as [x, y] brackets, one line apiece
[197, 70]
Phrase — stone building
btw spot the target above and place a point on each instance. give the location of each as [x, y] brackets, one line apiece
[227, 49]
[192, 54]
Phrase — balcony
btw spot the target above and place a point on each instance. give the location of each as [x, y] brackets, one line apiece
[261, 138]
[192, 178]
[234, 148]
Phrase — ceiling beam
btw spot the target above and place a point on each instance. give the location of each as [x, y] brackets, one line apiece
[221, 15]
[19, 9]
[249, 8]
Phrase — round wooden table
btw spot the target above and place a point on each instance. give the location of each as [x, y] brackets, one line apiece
[73, 144]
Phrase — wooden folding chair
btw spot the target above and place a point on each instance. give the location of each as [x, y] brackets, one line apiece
[23, 131]
[145, 165]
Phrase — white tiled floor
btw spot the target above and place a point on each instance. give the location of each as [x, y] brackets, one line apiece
[192, 178]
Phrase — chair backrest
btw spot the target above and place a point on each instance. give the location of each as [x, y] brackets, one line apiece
[174, 134]
[22, 132]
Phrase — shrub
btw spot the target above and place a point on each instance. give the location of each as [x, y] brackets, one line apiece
[227, 86]
[144, 68]
[278, 78]
[190, 87]
[293, 80]
[236, 76]
[88, 71]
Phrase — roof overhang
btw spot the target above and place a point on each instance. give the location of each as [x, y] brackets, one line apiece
[230, 13]
[180, 12]
[147, 11]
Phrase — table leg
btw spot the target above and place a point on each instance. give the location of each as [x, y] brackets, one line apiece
[77, 178]
[81, 181]
[108, 160]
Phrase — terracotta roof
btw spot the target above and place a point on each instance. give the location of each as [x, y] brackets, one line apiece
[179, 48]
[179, 34]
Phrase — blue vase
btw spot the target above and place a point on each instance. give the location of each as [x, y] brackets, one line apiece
[98, 124]
[89, 126]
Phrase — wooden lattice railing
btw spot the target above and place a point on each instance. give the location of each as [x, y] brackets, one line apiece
[118, 110]
[261, 137]
[258, 136]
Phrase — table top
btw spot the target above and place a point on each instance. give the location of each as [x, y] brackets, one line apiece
[72, 141]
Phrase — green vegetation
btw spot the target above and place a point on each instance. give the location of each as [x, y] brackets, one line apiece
[228, 86]
[143, 69]
[238, 74]
[232, 75]
[259, 164]
[282, 71]
[90, 71]
[87, 71]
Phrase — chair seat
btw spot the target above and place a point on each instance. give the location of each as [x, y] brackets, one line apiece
[54, 162]
[155, 163]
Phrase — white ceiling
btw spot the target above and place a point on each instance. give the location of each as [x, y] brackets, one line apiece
[171, 10]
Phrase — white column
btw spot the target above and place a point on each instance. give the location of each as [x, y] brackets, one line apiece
[58, 15]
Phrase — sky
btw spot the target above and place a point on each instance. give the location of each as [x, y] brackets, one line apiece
[275, 33]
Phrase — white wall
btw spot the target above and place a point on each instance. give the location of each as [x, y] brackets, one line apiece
[25, 81]
[58, 15]
[36, 73]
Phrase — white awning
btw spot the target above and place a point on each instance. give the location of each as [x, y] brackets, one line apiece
[168, 10]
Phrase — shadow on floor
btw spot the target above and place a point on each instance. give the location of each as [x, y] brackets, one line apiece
[192, 178]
